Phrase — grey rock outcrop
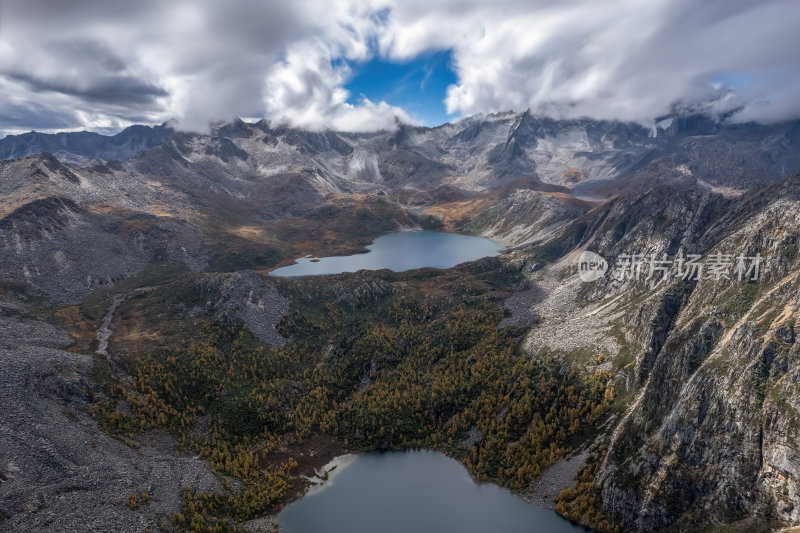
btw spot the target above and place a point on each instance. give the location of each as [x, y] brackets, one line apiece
[712, 365]
[253, 300]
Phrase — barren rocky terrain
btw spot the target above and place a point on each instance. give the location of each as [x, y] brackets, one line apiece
[58, 470]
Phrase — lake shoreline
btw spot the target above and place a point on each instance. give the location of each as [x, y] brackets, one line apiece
[398, 251]
[555, 478]
[325, 475]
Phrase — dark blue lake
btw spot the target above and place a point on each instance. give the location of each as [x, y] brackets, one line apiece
[400, 251]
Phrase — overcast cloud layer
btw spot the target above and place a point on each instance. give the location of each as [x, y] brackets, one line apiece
[104, 64]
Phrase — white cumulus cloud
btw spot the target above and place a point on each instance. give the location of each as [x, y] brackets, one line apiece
[103, 64]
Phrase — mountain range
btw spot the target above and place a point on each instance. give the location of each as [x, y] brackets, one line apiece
[155, 229]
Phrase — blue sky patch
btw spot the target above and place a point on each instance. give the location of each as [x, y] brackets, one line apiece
[418, 86]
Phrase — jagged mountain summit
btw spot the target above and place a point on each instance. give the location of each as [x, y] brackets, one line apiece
[476, 153]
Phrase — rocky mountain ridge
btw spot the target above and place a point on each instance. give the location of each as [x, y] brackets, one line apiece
[709, 365]
[475, 153]
[81, 146]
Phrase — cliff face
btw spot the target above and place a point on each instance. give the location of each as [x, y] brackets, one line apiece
[714, 434]
[710, 366]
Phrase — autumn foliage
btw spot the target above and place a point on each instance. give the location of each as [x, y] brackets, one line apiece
[402, 376]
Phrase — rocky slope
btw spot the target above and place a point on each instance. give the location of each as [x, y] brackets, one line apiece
[58, 470]
[715, 432]
[709, 366]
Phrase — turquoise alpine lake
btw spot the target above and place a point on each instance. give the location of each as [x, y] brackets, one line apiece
[417, 491]
[405, 250]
